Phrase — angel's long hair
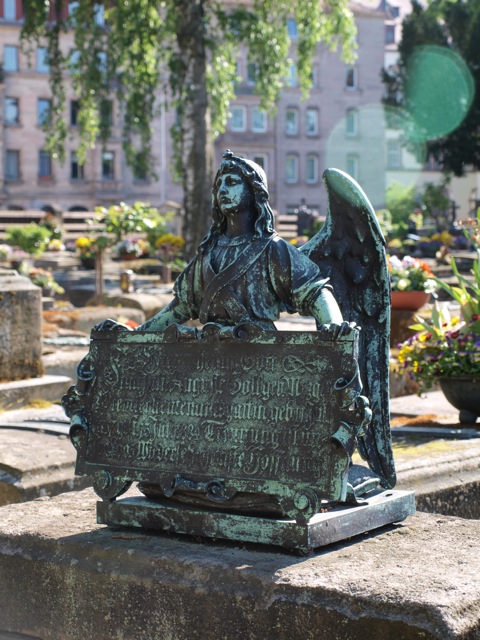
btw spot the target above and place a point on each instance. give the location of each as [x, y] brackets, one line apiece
[256, 180]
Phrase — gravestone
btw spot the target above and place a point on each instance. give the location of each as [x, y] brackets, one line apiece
[237, 430]
[20, 327]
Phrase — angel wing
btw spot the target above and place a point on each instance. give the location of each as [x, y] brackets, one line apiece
[350, 249]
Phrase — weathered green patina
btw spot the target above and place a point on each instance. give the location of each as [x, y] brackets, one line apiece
[237, 424]
[221, 412]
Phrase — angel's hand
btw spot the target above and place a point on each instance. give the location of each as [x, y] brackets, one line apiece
[111, 325]
[343, 329]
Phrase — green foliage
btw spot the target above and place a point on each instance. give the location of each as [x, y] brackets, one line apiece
[124, 219]
[453, 26]
[139, 48]
[401, 202]
[385, 221]
[444, 346]
[437, 205]
[177, 54]
[32, 238]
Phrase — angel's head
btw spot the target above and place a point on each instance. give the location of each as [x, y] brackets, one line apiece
[254, 193]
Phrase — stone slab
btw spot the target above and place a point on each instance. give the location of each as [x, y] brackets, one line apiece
[445, 474]
[63, 576]
[35, 464]
[413, 405]
[16, 394]
[322, 529]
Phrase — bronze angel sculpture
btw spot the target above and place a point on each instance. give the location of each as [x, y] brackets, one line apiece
[244, 272]
[242, 277]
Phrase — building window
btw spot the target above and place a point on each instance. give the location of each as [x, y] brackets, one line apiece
[42, 60]
[12, 165]
[292, 28]
[292, 78]
[351, 78]
[10, 58]
[311, 169]
[432, 164]
[389, 34]
[237, 121]
[10, 10]
[259, 120]
[261, 159]
[291, 169]
[44, 165]
[76, 169]
[394, 154]
[102, 62]
[252, 72]
[139, 174]
[106, 113]
[352, 166]
[351, 123]
[12, 112]
[74, 109]
[291, 122]
[108, 165]
[43, 111]
[311, 122]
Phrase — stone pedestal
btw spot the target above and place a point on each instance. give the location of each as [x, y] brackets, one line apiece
[65, 577]
[20, 327]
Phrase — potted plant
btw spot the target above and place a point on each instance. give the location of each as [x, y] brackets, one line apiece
[412, 282]
[131, 249]
[86, 250]
[447, 350]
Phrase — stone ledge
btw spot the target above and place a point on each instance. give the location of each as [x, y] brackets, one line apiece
[34, 464]
[18, 393]
[64, 576]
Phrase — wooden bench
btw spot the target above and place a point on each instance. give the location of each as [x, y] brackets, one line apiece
[286, 225]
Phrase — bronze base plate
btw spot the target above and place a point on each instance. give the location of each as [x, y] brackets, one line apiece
[338, 523]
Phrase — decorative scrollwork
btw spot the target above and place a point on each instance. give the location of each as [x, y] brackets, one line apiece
[109, 487]
[302, 506]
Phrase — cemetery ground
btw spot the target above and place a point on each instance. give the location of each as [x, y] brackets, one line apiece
[418, 579]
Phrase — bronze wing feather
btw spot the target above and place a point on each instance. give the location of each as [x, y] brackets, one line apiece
[350, 249]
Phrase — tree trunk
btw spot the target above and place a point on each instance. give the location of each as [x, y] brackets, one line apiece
[196, 145]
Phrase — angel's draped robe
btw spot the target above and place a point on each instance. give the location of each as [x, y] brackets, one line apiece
[239, 280]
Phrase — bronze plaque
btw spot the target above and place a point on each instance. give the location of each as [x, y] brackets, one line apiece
[249, 410]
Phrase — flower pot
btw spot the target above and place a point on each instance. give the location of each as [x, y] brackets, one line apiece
[463, 392]
[409, 300]
[87, 263]
[165, 274]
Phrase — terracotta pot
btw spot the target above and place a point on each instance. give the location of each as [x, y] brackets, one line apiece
[463, 392]
[409, 300]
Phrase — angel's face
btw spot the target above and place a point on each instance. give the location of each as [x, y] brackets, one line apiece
[233, 193]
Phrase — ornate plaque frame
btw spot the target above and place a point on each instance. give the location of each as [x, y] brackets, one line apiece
[219, 411]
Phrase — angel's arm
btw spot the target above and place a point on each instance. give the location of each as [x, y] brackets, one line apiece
[176, 312]
[324, 308]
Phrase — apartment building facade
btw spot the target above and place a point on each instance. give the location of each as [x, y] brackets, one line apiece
[332, 127]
